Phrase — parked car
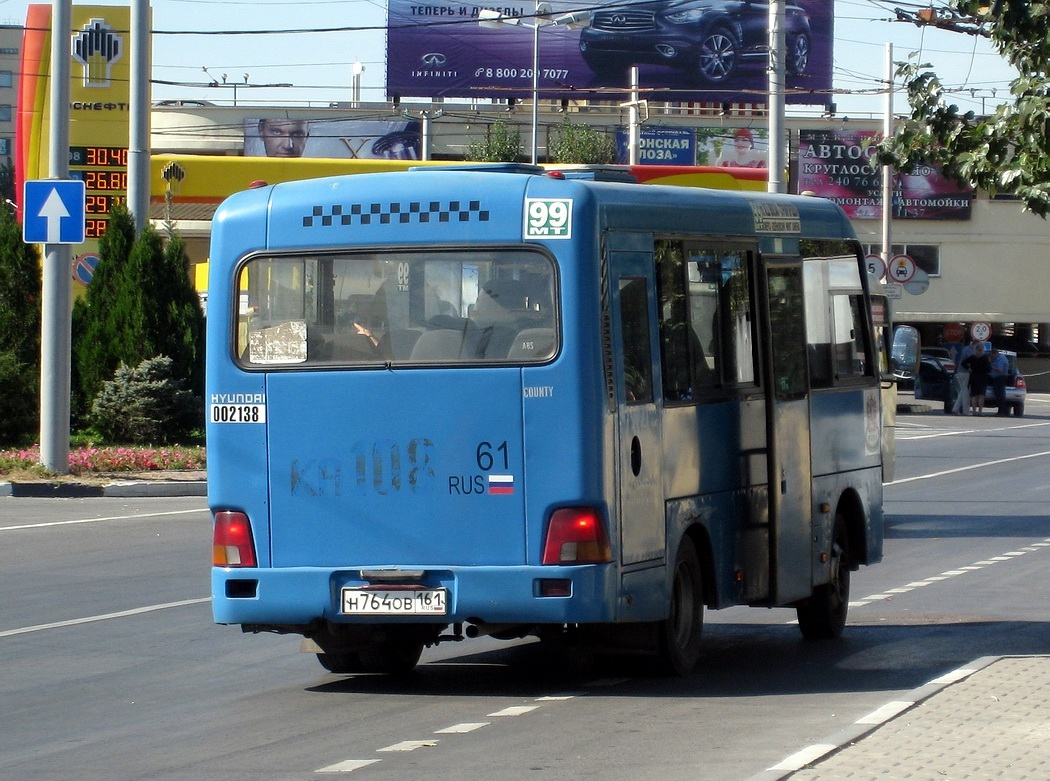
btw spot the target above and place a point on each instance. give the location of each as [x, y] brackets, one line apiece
[1016, 390]
[938, 352]
[708, 38]
[934, 380]
[1015, 344]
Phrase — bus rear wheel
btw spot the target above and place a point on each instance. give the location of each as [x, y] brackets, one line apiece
[823, 615]
[680, 633]
[394, 655]
[341, 662]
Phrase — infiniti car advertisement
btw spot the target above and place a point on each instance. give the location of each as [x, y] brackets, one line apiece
[684, 49]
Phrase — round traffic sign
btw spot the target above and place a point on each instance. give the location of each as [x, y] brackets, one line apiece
[902, 268]
[84, 267]
[980, 331]
[953, 332]
[919, 283]
[875, 266]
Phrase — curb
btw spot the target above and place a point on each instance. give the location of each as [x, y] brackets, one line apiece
[125, 489]
[865, 725]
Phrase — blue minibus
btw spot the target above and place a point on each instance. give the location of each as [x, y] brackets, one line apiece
[508, 401]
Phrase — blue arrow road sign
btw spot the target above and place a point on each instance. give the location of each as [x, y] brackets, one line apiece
[53, 211]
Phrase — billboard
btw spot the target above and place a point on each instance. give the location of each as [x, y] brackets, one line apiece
[658, 146]
[711, 50]
[836, 164]
[352, 139]
[100, 72]
[732, 147]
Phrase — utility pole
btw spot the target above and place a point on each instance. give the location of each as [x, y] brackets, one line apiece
[56, 313]
[887, 171]
[139, 126]
[775, 183]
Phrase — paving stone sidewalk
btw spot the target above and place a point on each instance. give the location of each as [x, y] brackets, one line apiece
[988, 720]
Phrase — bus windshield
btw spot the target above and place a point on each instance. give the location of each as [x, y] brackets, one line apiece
[426, 307]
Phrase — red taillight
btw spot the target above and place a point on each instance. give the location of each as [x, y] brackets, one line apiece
[232, 540]
[1019, 382]
[576, 535]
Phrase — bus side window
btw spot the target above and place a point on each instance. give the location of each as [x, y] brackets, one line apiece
[677, 338]
[634, 327]
[735, 325]
[787, 321]
[849, 337]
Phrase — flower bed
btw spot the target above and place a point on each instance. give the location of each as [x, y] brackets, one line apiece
[88, 460]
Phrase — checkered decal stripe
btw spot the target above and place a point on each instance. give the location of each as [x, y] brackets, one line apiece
[423, 212]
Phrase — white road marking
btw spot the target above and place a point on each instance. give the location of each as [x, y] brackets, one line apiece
[410, 745]
[514, 710]
[460, 729]
[74, 522]
[981, 465]
[975, 567]
[348, 766]
[103, 617]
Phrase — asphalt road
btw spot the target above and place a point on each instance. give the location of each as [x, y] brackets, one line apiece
[110, 666]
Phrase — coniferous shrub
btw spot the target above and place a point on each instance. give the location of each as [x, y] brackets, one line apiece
[139, 305]
[146, 404]
[20, 283]
[19, 407]
[103, 334]
[19, 292]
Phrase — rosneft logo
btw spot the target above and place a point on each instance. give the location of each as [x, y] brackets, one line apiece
[96, 47]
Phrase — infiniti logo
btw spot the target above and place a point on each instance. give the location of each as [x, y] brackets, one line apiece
[619, 20]
[434, 59]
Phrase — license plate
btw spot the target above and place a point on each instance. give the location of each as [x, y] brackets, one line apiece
[394, 602]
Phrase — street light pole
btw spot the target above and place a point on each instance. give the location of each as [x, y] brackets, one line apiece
[536, 84]
[491, 19]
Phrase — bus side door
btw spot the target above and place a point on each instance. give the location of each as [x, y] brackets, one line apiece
[788, 424]
[638, 450]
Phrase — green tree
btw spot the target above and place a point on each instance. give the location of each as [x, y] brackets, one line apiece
[140, 305]
[168, 310]
[502, 144]
[103, 332]
[7, 180]
[1008, 151]
[579, 143]
[20, 282]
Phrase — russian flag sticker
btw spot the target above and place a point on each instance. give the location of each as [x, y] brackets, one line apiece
[501, 484]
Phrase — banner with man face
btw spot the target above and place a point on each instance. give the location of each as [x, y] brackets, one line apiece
[354, 139]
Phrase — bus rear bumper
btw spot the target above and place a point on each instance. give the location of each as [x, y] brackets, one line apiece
[297, 596]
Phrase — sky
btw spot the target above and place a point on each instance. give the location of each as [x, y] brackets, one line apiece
[319, 64]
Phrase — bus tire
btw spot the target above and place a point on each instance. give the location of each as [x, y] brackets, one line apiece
[394, 655]
[341, 662]
[823, 615]
[680, 634]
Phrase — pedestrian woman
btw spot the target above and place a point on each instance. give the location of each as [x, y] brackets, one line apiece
[980, 368]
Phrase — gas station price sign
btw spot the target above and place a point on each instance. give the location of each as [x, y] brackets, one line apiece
[104, 171]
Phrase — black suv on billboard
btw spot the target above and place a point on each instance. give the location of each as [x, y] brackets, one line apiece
[709, 38]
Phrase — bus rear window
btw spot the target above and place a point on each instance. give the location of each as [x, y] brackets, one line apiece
[449, 307]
